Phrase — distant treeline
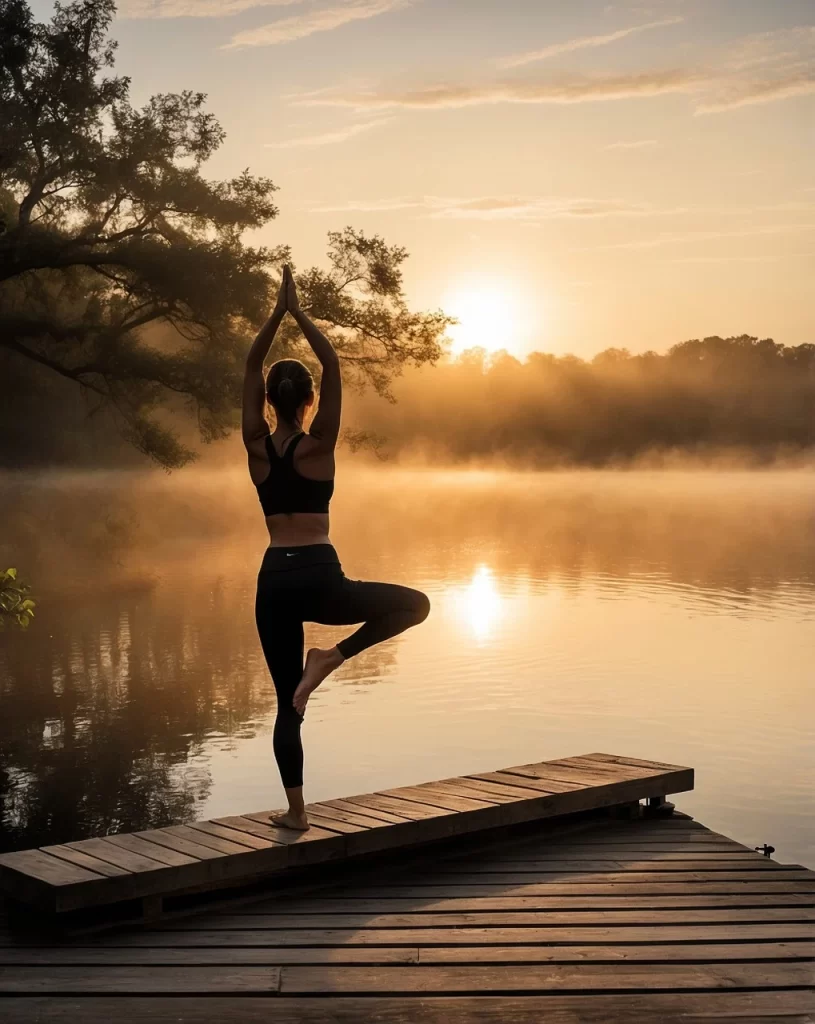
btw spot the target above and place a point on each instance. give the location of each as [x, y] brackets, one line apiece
[717, 394]
[713, 394]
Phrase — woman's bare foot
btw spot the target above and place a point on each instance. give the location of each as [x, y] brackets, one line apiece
[319, 664]
[290, 820]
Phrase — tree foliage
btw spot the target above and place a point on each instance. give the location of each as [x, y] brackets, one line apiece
[16, 607]
[124, 269]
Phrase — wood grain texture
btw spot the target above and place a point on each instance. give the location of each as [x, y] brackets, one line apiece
[313, 916]
[537, 978]
[775, 1007]
[471, 936]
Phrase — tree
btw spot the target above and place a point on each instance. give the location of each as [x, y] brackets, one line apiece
[123, 268]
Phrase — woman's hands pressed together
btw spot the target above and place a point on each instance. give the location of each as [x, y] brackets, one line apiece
[292, 299]
[281, 306]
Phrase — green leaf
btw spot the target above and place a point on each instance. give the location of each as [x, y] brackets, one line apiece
[11, 574]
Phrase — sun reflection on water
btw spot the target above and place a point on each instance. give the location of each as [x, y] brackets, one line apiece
[478, 605]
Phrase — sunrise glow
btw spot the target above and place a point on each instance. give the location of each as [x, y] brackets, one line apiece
[489, 314]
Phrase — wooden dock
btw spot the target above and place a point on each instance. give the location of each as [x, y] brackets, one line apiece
[165, 863]
[591, 917]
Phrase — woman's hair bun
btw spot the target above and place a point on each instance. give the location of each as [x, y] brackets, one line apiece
[288, 385]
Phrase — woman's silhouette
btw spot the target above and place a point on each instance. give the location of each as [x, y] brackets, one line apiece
[301, 579]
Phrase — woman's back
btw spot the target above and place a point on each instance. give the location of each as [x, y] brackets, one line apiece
[295, 483]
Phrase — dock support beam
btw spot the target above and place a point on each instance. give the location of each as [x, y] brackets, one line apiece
[658, 807]
[626, 811]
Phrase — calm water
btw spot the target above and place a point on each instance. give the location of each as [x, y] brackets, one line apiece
[667, 616]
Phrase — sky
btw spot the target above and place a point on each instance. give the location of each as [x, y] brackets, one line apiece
[566, 177]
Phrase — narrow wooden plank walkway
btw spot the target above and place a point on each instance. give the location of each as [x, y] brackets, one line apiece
[211, 855]
[648, 920]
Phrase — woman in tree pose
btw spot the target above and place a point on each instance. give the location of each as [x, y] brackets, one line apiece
[301, 579]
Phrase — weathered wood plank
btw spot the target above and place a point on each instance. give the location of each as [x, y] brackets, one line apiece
[173, 842]
[330, 813]
[155, 851]
[617, 768]
[584, 889]
[613, 934]
[84, 860]
[102, 955]
[738, 952]
[223, 846]
[541, 978]
[140, 980]
[786, 1006]
[583, 866]
[136, 863]
[572, 854]
[490, 790]
[331, 825]
[636, 762]
[215, 828]
[428, 794]
[318, 918]
[547, 772]
[42, 866]
[369, 811]
[407, 809]
[515, 781]
[340, 902]
[589, 877]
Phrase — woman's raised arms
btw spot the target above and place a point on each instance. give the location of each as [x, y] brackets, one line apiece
[253, 421]
[325, 426]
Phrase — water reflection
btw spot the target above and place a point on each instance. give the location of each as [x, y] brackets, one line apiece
[478, 605]
[672, 618]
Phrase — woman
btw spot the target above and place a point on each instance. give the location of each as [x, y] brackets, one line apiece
[301, 579]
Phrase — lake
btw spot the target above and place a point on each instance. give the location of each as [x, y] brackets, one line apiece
[660, 615]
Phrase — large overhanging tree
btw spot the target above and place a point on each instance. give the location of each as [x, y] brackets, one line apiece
[124, 269]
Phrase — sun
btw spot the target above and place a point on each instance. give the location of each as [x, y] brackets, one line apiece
[487, 311]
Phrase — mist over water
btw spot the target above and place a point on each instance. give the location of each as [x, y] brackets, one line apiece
[661, 615]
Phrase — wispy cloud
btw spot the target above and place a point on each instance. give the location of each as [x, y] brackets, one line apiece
[507, 207]
[330, 138]
[532, 208]
[369, 205]
[194, 8]
[732, 95]
[758, 69]
[322, 19]
[582, 43]
[562, 89]
[639, 144]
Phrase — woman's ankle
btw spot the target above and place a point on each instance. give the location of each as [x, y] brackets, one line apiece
[297, 805]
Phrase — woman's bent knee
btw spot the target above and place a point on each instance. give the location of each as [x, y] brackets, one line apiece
[421, 606]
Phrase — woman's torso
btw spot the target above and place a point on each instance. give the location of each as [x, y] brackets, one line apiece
[310, 464]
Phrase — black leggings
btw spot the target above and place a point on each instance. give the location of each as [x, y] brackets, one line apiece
[307, 584]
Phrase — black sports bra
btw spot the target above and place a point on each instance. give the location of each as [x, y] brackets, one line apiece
[286, 490]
